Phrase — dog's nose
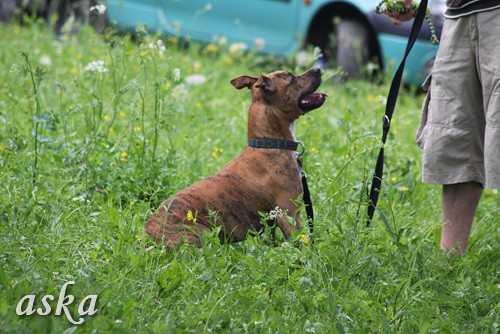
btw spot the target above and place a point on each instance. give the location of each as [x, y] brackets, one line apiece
[316, 70]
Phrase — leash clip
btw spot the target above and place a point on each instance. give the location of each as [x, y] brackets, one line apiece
[387, 123]
[301, 152]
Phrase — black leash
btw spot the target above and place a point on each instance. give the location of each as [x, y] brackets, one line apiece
[291, 146]
[306, 197]
[389, 110]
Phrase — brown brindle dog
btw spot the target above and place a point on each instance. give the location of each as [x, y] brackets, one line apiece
[259, 180]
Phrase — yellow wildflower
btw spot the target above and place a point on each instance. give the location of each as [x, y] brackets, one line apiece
[313, 150]
[372, 98]
[212, 48]
[4, 149]
[215, 154]
[190, 216]
[123, 156]
[304, 239]
[196, 66]
[403, 188]
[144, 52]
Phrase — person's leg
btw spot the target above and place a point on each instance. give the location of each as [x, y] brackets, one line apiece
[459, 204]
[453, 136]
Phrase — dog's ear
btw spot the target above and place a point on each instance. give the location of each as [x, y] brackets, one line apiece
[266, 84]
[243, 81]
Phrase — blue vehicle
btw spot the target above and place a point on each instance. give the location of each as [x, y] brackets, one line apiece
[349, 33]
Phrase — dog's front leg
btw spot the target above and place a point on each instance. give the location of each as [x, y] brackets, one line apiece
[288, 224]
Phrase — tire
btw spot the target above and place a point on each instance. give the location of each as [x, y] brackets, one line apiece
[353, 52]
[72, 14]
[7, 10]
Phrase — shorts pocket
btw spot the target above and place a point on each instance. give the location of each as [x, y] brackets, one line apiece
[420, 135]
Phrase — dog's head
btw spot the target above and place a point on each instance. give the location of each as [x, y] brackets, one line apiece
[293, 95]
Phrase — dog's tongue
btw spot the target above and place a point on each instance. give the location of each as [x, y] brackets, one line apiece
[312, 101]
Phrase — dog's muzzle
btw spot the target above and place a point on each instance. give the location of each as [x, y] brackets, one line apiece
[312, 101]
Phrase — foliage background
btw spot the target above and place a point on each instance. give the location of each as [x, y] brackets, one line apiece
[86, 157]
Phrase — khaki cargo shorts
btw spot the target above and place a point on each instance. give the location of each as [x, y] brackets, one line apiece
[460, 125]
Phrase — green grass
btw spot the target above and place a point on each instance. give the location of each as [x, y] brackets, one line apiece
[86, 159]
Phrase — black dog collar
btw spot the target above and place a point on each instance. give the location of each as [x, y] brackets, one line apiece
[281, 144]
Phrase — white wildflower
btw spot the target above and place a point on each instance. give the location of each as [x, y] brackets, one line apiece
[58, 47]
[371, 66]
[238, 48]
[302, 58]
[96, 66]
[277, 213]
[317, 52]
[177, 74]
[160, 46]
[305, 58]
[196, 79]
[260, 42]
[81, 198]
[100, 9]
[45, 60]
[180, 92]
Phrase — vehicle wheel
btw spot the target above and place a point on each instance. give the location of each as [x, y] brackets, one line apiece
[72, 14]
[352, 49]
[7, 10]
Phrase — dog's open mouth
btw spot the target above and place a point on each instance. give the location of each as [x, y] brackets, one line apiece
[312, 101]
